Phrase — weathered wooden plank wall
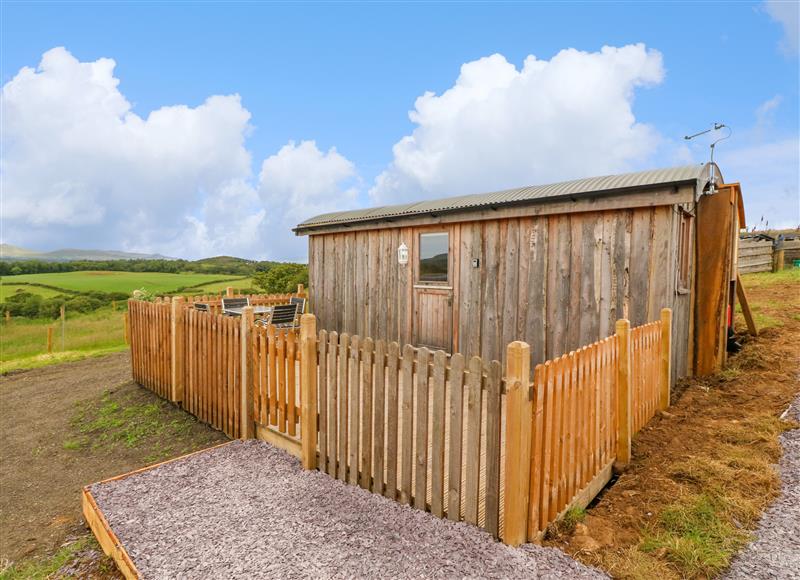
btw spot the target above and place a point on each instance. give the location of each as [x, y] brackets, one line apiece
[755, 256]
[556, 282]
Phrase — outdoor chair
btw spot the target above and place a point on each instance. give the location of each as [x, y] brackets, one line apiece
[283, 316]
[228, 303]
[301, 304]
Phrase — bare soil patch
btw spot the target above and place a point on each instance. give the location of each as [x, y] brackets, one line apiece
[69, 425]
[702, 473]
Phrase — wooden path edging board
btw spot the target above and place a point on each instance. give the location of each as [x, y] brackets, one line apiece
[106, 536]
[100, 527]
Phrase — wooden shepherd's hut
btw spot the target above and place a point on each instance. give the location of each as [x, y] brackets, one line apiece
[553, 265]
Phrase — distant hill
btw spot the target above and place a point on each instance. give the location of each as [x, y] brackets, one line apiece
[9, 252]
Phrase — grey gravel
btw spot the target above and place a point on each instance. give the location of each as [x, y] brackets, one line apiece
[249, 510]
[775, 552]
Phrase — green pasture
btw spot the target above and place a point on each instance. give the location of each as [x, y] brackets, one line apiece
[7, 290]
[217, 287]
[23, 342]
[106, 281]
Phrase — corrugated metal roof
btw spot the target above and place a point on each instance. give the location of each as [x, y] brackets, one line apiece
[533, 194]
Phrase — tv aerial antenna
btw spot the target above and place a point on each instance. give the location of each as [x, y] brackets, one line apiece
[714, 127]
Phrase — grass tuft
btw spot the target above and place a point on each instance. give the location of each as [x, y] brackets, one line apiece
[696, 536]
[40, 569]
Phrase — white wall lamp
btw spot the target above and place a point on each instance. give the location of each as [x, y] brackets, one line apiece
[402, 254]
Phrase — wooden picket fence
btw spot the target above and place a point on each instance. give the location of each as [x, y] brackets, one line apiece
[276, 379]
[645, 368]
[416, 426]
[574, 433]
[151, 349]
[505, 449]
[210, 368]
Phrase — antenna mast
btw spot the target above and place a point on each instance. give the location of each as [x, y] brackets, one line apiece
[714, 127]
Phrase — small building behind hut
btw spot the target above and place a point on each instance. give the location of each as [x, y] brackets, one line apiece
[552, 265]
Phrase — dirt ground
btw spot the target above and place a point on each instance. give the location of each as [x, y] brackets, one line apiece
[734, 413]
[69, 425]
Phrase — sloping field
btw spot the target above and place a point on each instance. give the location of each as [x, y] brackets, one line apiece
[105, 281]
[7, 289]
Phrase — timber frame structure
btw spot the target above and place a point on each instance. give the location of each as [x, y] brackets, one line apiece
[552, 265]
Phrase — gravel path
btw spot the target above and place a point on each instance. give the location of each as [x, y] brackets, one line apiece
[249, 510]
[775, 553]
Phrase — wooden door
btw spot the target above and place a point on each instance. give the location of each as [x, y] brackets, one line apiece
[433, 260]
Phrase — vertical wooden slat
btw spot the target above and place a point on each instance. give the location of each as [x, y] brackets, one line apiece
[379, 418]
[280, 361]
[558, 438]
[308, 390]
[392, 425]
[291, 392]
[263, 375]
[623, 392]
[354, 408]
[537, 450]
[333, 410]
[421, 430]
[273, 378]
[575, 417]
[473, 440]
[456, 379]
[406, 402]
[366, 414]
[547, 459]
[322, 400]
[437, 433]
[344, 385]
[493, 435]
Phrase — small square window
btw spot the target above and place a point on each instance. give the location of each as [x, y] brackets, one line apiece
[434, 250]
[684, 252]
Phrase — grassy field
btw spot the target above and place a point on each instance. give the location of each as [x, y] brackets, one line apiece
[7, 289]
[217, 287]
[23, 342]
[156, 282]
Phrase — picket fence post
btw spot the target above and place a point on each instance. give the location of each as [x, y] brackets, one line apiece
[308, 390]
[624, 419]
[247, 427]
[666, 358]
[127, 328]
[519, 421]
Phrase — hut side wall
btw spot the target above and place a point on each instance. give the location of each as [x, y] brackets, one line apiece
[557, 282]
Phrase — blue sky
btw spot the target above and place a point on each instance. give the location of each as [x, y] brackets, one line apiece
[345, 76]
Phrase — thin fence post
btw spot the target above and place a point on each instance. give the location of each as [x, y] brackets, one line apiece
[176, 344]
[624, 423]
[229, 292]
[666, 358]
[63, 325]
[49, 339]
[308, 390]
[519, 421]
[247, 428]
[127, 328]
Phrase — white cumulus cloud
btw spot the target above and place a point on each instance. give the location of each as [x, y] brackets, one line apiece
[499, 126]
[301, 181]
[80, 168]
[787, 14]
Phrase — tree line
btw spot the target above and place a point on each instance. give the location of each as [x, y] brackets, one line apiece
[219, 265]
